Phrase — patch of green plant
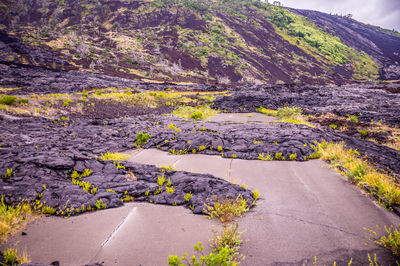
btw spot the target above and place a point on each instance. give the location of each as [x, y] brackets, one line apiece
[198, 112]
[8, 174]
[7, 99]
[174, 127]
[169, 189]
[256, 194]
[333, 126]
[278, 156]
[293, 157]
[266, 111]
[219, 148]
[353, 118]
[264, 157]
[363, 133]
[188, 196]
[11, 257]
[67, 102]
[257, 142]
[227, 209]
[141, 139]
[23, 101]
[114, 156]
[119, 166]
[48, 210]
[100, 205]
[160, 180]
[202, 148]
[164, 168]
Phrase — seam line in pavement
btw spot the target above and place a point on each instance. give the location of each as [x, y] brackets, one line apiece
[113, 233]
[312, 223]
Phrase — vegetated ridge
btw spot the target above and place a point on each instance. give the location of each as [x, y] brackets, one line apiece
[238, 41]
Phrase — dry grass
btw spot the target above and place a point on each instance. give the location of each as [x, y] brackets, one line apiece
[359, 171]
[13, 218]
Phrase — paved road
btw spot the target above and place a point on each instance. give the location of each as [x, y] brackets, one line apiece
[306, 210]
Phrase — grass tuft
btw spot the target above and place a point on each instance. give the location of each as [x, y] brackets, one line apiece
[114, 156]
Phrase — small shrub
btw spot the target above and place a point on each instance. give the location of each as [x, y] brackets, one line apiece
[227, 209]
[198, 112]
[293, 157]
[197, 115]
[100, 205]
[8, 174]
[7, 99]
[202, 148]
[169, 190]
[23, 101]
[363, 133]
[219, 148]
[333, 126]
[141, 139]
[288, 112]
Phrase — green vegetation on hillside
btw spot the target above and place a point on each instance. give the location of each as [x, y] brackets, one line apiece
[329, 45]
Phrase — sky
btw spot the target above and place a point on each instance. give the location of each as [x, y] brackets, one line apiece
[383, 13]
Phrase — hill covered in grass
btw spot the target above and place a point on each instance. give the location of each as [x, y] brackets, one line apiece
[235, 41]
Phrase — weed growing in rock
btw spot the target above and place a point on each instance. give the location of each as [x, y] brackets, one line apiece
[293, 157]
[141, 139]
[100, 205]
[227, 209]
[278, 156]
[23, 101]
[13, 218]
[353, 118]
[11, 257]
[363, 133]
[333, 126]
[263, 157]
[164, 168]
[256, 194]
[115, 156]
[172, 126]
[8, 174]
[202, 148]
[257, 142]
[160, 180]
[67, 102]
[169, 189]
[219, 148]
[188, 196]
[48, 210]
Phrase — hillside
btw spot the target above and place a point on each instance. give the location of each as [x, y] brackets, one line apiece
[236, 41]
[383, 48]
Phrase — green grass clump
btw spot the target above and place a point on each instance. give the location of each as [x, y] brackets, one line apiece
[227, 209]
[13, 218]
[8, 174]
[188, 196]
[114, 156]
[363, 133]
[67, 102]
[23, 101]
[7, 99]
[293, 157]
[198, 112]
[141, 139]
[264, 157]
[11, 257]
